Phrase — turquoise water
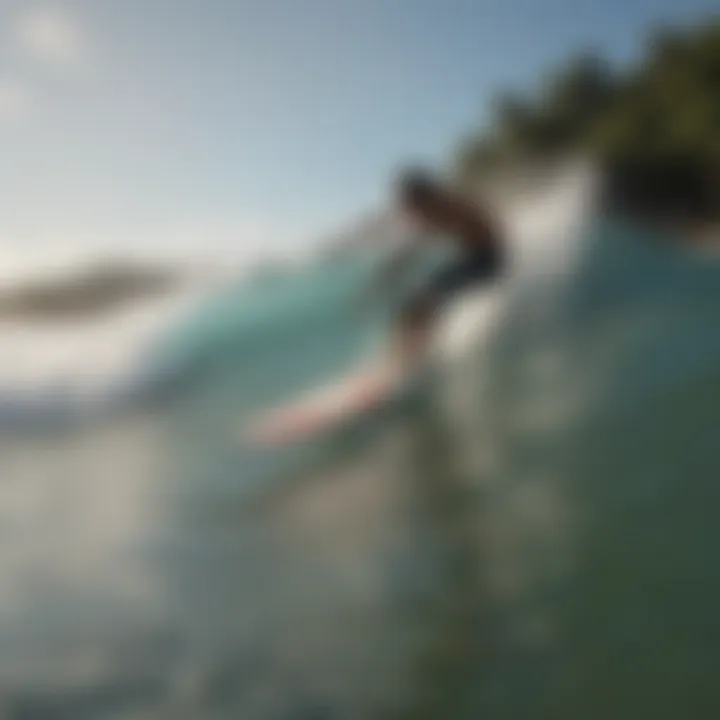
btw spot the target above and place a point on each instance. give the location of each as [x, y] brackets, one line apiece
[251, 348]
[158, 567]
[533, 536]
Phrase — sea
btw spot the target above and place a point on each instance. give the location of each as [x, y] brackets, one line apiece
[528, 532]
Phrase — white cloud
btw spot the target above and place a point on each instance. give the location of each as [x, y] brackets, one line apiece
[50, 35]
[14, 98]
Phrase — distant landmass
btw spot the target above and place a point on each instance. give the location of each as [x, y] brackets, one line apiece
[101, 288]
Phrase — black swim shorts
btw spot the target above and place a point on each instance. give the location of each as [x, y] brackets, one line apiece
[474, 269]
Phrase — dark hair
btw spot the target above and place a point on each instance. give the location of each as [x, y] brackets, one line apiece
[416, 186]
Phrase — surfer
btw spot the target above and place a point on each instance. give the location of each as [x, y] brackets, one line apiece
[433, 208]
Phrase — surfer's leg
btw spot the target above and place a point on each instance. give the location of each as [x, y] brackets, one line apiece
[417, 319]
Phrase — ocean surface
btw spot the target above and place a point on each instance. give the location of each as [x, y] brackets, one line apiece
[495, 544]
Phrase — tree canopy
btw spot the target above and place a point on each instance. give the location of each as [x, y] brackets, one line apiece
[660, 117]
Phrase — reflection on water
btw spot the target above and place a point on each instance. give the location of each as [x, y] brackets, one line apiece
[128, 594]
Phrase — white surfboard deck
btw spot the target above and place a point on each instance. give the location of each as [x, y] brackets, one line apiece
[370, 387]
[328, 406]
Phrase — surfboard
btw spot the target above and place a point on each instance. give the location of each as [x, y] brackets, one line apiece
[362, 391]
[328, 407]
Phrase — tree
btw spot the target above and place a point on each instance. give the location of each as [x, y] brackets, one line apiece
[663, 114]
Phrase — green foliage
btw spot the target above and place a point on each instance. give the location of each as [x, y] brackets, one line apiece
[662, 112]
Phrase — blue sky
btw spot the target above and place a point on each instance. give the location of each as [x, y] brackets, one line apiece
[252, 124]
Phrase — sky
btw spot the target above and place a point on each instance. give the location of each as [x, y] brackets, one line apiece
[253, 126]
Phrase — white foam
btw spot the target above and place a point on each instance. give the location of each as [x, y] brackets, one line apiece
[84, 356]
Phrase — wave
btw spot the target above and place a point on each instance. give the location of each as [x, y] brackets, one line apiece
[161, 347]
